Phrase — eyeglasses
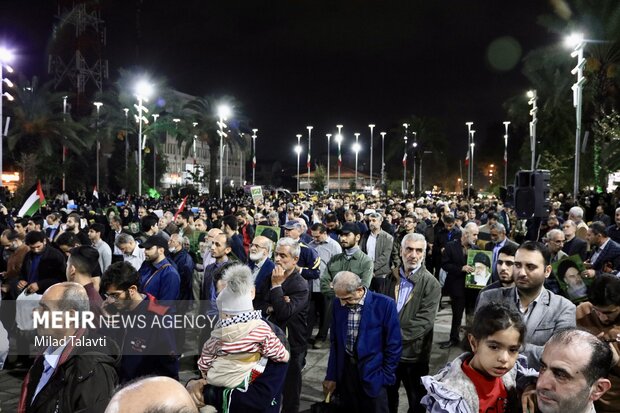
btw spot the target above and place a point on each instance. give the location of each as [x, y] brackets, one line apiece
[114, 295]
[257, 246]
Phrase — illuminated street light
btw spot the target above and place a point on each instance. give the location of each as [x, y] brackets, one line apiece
[356, 149]
[371, 126]
[404, 188]
[382, 158]
[143, 92]
[308, 162]
[155, 116]
[64, 147]
[506, 153]
[329, 136]
[533, 97]
[413, 173]
[469, 156]
[254, 157]
[577, 43]
[339, 142]
[298, 152]
[223, 113]
[472, 146]
[6, 57]
[98, 106]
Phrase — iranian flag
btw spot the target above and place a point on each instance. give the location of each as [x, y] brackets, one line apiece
[95, 193]
[34, 202]
[467, 159]
[339, 158]
[405, 159]
[181, 207]
[308, 162]
[254, 162]
[505, 157]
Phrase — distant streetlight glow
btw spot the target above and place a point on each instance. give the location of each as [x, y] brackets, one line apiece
[339, 142]
[143, 91]
[98, 106]
[573, 40]
[223, 112]
[298, 152]
[6, 57]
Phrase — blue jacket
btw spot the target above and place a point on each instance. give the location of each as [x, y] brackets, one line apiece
[379, 343]
[309, 262]
[185, 267]
[164, 283]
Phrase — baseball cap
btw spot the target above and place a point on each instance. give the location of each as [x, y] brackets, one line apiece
[154, 240]
[349, 227]
[292, 225]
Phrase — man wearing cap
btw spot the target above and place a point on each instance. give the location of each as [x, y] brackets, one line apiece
[309, 261]
[158, 276]
[351, 259]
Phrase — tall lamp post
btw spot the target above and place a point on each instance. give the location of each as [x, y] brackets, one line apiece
[356, 149]
[406, 125]
[126, 110]
[6, 57]
[254, 156]
[329, 136]
[155, 116]
[577, 42]
[64, 148]
[472, 145]
[469, 165]
[98, 106]
[339, 142]
[371, 126]
[506, 153]
[143, 92]
[298, 152]
[382, 157]
[531, 94]
[223, 112]
[415, 149]
[309, 161]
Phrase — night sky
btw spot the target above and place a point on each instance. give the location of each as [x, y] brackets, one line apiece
[311, 62]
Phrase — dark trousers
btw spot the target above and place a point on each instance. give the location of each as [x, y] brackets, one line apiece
[465, 303]
[327, 319]
[409, 374]
[352, 394]
[292, 385]
[316, 312]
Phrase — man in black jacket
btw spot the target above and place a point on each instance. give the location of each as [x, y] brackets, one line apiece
[43, 265]
[75, 376]
[287, 307]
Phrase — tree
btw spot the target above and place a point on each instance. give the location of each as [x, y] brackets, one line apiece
[39, 128]
[318, 179]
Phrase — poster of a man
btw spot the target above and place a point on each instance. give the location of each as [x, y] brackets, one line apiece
[481, 262]
[568, 274]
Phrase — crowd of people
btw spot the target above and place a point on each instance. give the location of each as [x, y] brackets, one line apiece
[362, 276]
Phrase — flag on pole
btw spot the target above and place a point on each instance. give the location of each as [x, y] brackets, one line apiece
[339, 158]
[405, 159]
[254, 162]
[467, 159]
[308, 162]
[505, 157]
[34, 201]
[95, 193]
[181, 208]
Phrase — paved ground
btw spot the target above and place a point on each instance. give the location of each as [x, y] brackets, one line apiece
[313, 374]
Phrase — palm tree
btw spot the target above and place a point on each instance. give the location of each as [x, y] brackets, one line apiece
[203, 112]
[40, 128]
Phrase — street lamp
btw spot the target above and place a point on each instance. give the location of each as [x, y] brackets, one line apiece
[371, 126]
[472, 145]
[126, 110]
[254, 157]
[469, 155]
[143, 92]
[64, 147]
[298, 152]
[155, 116]
[223, 113]
[577, 43]
[6, 57]
[382, 157]
[531, 94]
[415, 148]
[98, 106]
[356, 149]
[308, 162]
[406, 125]
[506, 153]
[339, 142]
[329, 136]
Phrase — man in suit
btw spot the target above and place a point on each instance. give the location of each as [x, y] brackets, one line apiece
[543, 311]
[499, 239]
[377, 244]
[614, 230]
[573, 245]
[416, 293]
[605, 254]
[454, 262]
[365, 346]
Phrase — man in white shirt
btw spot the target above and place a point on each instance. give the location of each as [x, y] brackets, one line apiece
[105, 253]
[130, 250]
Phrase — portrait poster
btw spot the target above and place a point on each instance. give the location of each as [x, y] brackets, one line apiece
[262, 228]
[481, 262]
[567, 273]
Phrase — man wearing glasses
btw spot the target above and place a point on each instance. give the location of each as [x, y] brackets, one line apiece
[147, 348]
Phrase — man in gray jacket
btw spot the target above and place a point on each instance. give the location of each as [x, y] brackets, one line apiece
[377, 244]
[543, 311]
[417, 294]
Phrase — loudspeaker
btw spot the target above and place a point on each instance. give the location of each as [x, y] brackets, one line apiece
[531, 194]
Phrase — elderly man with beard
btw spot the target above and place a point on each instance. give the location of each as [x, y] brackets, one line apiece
[416, 293]
[261, 265]
[573, 373]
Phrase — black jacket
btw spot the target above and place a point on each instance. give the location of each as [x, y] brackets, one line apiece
[452, 262]
[576, 246]
[51, 268]
[83, 381]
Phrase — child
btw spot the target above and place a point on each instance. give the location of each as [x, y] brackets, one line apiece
[485, 381]
[241, 342]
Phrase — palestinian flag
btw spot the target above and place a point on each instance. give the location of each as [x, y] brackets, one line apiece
[405, 159]
[34, 202]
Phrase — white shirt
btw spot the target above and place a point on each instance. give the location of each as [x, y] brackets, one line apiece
[371, 246]
[136, 258]
[50, 362]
